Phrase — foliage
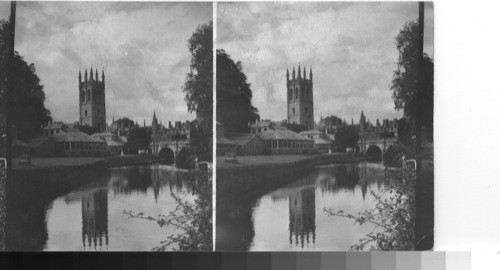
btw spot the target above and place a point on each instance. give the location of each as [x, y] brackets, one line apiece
[328, 121]
[198, 140]
[193, 219]
[198, 85]
[296, 127]
[393, 156]
[234, 96]
[404, 133]
[125, 123]
[405, 79]
[394, 215]
[138, 138]
[186, 158]
[28, 113]
[346, 137]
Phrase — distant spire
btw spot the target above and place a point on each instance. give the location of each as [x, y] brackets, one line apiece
[311, 73]
[287, 74]
[91, 73]
[79, 76]
[304, 73]
[102, 76]
[298, 75]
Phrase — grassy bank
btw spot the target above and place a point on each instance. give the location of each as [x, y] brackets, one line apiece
[55, 176]
[253, 176]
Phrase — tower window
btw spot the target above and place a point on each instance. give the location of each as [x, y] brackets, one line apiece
[85, 112]
[293, 110]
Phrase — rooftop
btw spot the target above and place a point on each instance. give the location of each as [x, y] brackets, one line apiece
[73, 135]
[224, 140]
[281, 134]
[241, 138]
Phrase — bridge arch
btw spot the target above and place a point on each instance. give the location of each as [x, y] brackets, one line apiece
[167, 155]
[374, 153]
[182, 156]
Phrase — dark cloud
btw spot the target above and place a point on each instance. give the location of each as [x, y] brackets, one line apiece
[141, 46]
[350, 47]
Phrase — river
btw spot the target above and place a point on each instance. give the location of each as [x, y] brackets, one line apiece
[292, 218]
[91, 217]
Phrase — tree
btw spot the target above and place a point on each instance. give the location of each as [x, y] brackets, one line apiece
[346, 137]
[138, 138]
[405, 79]
[125, 123]
[198, 85]
[234, 96]
[28, 113]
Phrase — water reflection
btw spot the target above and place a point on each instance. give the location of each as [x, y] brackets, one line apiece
[95, 220]
[302, 206]
[91, 217]
[297, 210]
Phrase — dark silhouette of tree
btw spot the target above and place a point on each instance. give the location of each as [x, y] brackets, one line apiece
[404, 133]
[125, 123]
[138, 138]
[28, 113]
[198, 86]
[346, 137]
[234, 96]
[405, 80]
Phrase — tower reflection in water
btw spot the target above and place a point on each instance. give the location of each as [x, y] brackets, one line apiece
[95, 220]
[302, 205]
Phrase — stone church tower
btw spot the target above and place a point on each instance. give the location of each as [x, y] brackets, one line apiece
[92, 100]
[300, 98]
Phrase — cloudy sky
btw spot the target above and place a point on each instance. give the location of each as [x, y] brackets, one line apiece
[350, 47]
[4, 10]
[141, 46]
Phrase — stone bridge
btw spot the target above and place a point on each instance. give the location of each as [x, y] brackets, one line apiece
[376, 144]
[164, 147]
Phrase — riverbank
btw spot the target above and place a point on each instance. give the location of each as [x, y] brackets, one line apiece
[253, 176]
[64, 162]
[55, 176]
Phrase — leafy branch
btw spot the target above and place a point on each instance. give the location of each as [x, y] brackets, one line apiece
[192, 222]
[394, 214]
